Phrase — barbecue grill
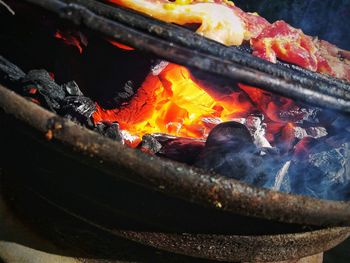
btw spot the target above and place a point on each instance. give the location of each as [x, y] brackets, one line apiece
[155, 201]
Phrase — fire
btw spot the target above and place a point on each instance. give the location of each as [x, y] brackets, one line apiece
[76, 39]
[120, 45]
[173, 102]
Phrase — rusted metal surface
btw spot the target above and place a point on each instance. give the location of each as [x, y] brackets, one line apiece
[207, 55]
[172, 178]
[244, 248]
[31, 206]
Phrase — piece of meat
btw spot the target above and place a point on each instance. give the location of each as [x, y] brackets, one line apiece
[217, 21]
[332, 60]
[280, 40]
[222, 21]
[254, 24]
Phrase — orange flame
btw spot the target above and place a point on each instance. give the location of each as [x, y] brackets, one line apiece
[173, 102]
[120, 45]
[71, 40]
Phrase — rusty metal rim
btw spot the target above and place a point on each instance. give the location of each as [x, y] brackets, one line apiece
[237, 248]
[170, 177]
[244, 248]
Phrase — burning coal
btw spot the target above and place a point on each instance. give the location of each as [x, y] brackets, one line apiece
[249, 135]
[231, 129]
[171, 101]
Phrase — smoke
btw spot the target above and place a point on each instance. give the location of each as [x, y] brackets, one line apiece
[312, 165]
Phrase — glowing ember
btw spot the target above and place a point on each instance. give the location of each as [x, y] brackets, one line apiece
[120, 45]
[173, 102]
[75, 39]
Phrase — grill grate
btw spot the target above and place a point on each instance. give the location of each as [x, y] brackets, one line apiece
[182, 46]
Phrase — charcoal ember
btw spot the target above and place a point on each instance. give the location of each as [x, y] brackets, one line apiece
[340, 138]
[280, 112]
[320, 170]
[149, 144]
[289, 137]
[302, 148]
[78, 108]
[291, 134]
[339, 130]
[50, 94]
[257, 128]
[73, 38]
[128, 91]
[232, 133]
[312, 114]
[272, 151]
[211, 122]
[131, 139]
[240, 120]
[182, 150]
[185, 150]
[342, 122]
[9, 71]
[284, 110]
[110, 130]
[159, 66]
[163, 138]
[72, 89]
[125, 95]
[231, 152]
[316, 132]
[273, 130]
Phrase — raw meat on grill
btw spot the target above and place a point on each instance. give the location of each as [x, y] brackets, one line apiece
[222, 21]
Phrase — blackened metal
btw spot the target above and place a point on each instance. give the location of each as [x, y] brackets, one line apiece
[184, 37]
[95, 239]
[240, 54]
[172, 178]
[243, 248]
[286, 83]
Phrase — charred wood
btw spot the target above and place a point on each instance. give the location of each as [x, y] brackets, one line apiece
[185, 150]
[78, 109]
[9, 72]
[49, 92]
[72, 89]
[110, 130]
[230, 151]
[149, 144]
[66, 100]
